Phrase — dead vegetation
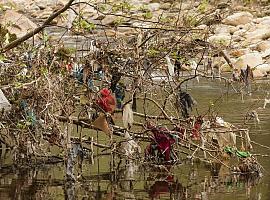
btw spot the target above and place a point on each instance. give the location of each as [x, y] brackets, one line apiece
[52, 92]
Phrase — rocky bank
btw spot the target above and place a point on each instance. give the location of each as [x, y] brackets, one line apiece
[242, 30]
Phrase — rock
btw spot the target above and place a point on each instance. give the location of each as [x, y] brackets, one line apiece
[154, 6]
[263, 20]
[236, 39]
[182, 5]
[225, 68]
[266, 53]
[252, 59]
[203, 29]
[217, 61]
[223, 5]
[113, 33]
[109, 20]
[44, 14]
[238, 18]
[19, 4]
[141, 24]
[98, 17]
[240, 33]
[260, 33]
[202, 26]
[42, 4]
[263, 46]
[17, 23]
[165, 6]
[127, 31]
[248, 26]
[267, 59]
[263, 68]
[220, 39]
[257, 73]
[222, 28]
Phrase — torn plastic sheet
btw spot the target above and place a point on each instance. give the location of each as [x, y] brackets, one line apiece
[4, 103]
[30, 114]
[74, 152]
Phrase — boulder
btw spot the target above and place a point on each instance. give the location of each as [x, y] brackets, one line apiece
[182, 5]
[165, 6]
[222, 28]
[223, 64]
[252, 59]
[154, 6]
[257, 73]
[223, 39]
[266, 22]
[17, 23]
[248, 26]
[240, 32]
[236, 39]
[266, 53]
[109, 20]
[263, 68]
[225, 68]
[261, 33]
[217, 62]
[238, 18]
[263, 45]
[19, 4]
[42, 4]
[44, 14]
[263, 20]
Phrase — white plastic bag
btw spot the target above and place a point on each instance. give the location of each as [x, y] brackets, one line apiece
[4, 103]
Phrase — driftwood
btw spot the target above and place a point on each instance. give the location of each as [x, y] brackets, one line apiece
[226, 57]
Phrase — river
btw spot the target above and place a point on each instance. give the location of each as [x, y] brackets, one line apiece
[134, 181]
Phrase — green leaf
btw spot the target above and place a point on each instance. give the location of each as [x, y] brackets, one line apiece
[148, 15]
[2, 57]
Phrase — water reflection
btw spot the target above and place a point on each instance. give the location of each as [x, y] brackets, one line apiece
[167, 185]
[130, 181]
[70, 190]
[17, 184]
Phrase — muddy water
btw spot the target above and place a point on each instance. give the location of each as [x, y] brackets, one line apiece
[133, 181]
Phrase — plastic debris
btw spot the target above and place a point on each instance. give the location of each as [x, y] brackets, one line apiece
[196, 128]
[30, 115]
[130, 146]
[266, 101]
[162, 142]
[106, 101]
[78, 72]
[4, 103]
[186, 103]
[127, 115]
[119, 94]
[116, 76]
[101, 123]
[170, 67]
[240, 154]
